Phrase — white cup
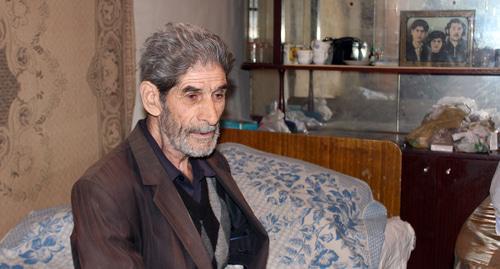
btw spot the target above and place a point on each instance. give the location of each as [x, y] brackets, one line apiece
[319, 57]
[304, 56]
[320, 51]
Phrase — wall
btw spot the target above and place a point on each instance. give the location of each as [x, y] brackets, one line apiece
[223, 17]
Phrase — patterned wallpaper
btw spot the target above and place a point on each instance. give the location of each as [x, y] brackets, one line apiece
[66, 95]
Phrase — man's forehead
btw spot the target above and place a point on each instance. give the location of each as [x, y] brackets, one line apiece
[202, 77]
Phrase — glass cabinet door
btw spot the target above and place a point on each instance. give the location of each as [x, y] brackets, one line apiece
[260, 31]
[376, 101]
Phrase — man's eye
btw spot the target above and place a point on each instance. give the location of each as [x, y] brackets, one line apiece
[192, 97]
[219, 96]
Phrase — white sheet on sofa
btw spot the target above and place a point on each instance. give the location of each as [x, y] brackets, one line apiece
[315, 217]
[22, 247]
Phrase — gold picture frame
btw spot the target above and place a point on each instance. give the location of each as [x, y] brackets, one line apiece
[421, 32]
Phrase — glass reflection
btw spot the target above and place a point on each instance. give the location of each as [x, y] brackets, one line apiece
[383, 102]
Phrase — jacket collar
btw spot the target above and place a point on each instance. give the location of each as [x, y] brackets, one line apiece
[167, 199]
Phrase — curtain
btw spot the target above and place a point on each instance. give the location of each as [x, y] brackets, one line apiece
[67, 88]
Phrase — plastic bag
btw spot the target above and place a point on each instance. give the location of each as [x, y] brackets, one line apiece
[455, 121]
[466, 104]
[274, 121]
[474, 137]
[302, 121]
[321, 110]
[495, 197]
[446, 118]
[298, 118]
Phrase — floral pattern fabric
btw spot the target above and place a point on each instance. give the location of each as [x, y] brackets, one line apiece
[315, 217]
[41, 240]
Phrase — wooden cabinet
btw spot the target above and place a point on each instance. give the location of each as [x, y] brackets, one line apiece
[438, 192]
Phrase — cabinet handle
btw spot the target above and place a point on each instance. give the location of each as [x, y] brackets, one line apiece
[426, 169]
[448, 171]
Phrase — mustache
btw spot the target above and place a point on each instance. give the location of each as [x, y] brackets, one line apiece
[205, 128]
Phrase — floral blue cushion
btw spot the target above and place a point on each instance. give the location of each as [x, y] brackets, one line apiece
[41, 240]
[315, 217]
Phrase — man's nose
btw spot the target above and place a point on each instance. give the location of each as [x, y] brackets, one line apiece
[209, 112]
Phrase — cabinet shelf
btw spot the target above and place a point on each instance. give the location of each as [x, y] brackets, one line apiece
[423, 70]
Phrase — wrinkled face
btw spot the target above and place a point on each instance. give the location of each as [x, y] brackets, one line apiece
[456, 31]
[192, 109]
[436, 45]
[418, 34]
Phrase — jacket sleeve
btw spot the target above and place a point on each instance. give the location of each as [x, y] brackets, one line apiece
[102, 235]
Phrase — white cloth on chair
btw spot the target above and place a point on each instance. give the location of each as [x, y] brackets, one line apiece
[495, 197]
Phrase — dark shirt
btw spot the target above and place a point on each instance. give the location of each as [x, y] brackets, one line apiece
[440, 57]
[411, 54]
[457, 54]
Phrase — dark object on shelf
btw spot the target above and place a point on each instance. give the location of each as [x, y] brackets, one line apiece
[256, 118]
[497, 58]
[291, 125]
[343, 49]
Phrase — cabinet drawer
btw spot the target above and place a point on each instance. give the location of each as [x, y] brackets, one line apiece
[458, 173]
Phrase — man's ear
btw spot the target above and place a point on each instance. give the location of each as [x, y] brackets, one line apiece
[150, 96]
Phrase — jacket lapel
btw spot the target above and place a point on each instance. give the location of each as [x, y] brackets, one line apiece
[167, 198]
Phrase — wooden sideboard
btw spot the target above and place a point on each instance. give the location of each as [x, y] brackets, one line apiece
[438, 192]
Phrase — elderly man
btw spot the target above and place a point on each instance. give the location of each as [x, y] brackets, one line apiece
[164, 198]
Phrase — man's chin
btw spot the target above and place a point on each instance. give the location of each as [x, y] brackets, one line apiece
[198, 153]
[201, 148]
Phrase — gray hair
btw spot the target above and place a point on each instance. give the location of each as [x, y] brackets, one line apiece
[170, 52]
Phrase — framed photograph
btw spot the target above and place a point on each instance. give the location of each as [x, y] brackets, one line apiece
[436, 38]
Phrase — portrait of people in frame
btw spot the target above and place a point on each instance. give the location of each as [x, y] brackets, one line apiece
[436, 38]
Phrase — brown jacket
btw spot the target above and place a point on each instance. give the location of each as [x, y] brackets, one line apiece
[127, 215]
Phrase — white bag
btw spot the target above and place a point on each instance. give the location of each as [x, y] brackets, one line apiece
[495, 197]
